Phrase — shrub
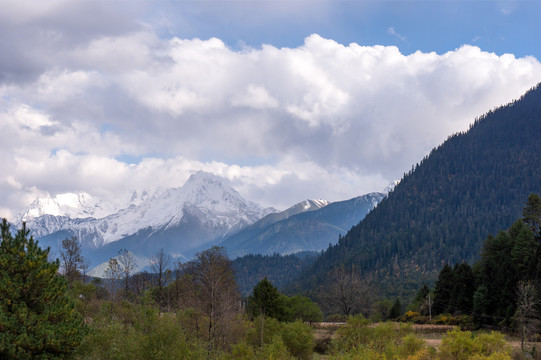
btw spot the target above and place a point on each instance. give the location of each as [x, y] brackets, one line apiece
[463, 345]
[298, 339]
[275, 350]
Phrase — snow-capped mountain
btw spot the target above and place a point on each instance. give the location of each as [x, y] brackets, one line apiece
[78, 206]
[70, 205]
[309, 225]
[204, 209]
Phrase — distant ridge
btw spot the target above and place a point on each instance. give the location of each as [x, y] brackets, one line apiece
[473, 185]
[308, 226]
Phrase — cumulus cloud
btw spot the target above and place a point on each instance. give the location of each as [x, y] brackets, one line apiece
[321, 120]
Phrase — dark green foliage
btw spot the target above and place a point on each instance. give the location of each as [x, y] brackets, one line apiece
[422, 294]
[37, 318]
[505, 260]
[443, 290]
[266, 300]
[442, 211]
[280, 270]
[454, 290]
[396, 310]
[463, 289]
[489, 291]
[524, 249]
[531, 214]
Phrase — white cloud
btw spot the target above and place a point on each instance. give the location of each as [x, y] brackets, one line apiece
[256, 97]
[321, 120]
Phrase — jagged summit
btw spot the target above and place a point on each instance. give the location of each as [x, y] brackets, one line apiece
[212, 192]
[79, 205]
[206, 201]
[72, 205]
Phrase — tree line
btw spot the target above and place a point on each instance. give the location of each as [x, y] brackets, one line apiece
[502, 288]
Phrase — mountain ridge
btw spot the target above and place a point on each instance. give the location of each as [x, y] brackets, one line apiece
[295, 230]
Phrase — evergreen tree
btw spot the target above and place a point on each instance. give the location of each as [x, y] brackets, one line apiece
[265, 300]
[524, 248]
[462, 296]
[443, 290]
[396, 310]
[531, 214]
[422, 294]
[37, 318]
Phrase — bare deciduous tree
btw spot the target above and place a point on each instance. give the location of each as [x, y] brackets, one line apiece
[347, 292]
[71, 258]
[160, 263]
[218, 293]
[112, 274]
[126, 260]
[85, 265]
[526, 317]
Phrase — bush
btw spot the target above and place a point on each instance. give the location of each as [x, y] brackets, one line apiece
[150, 336]
[298, 339]
[275, 350]
[463, 345]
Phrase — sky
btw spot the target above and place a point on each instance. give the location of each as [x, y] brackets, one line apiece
[287, 100]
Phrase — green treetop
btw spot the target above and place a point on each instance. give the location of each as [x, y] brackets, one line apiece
[265, 300]
[37, 318]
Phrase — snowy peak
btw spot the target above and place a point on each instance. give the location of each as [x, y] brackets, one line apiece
[205, 199]
[314, 204]
[79, 206]
[75, 206]
[209, 192]
[307, 205]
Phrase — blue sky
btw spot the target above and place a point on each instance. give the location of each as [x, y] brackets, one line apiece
[440, 26]
[287, 100]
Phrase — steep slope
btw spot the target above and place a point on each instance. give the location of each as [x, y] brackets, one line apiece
[471, 186]
[304, 227]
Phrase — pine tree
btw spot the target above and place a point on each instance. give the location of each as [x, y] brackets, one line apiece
[37, 318]
[396, 310]
[443, 290]
[464, 288]
[265, 300]
[531, 214]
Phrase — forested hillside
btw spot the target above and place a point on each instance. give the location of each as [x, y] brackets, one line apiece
[471, 186]
[280, 270]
